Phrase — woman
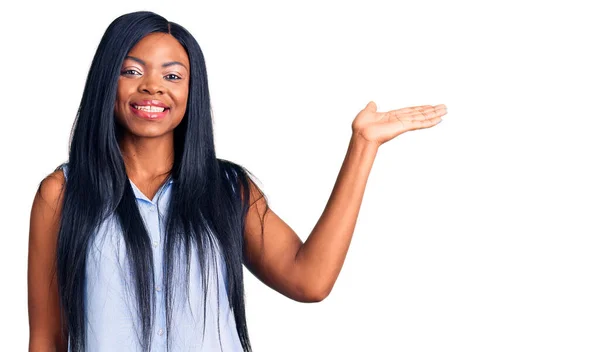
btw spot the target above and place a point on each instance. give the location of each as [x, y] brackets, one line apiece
[137, 243]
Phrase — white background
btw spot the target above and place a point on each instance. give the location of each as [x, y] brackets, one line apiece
[480, 234]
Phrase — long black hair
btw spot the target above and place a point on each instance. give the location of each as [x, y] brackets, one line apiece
[209, 199]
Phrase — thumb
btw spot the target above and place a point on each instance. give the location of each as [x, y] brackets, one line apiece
[371, 106]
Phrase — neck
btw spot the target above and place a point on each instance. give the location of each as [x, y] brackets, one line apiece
[147, 159]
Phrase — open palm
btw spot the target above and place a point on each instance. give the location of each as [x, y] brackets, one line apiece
[380, 127]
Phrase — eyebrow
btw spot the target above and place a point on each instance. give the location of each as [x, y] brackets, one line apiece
[166, 64]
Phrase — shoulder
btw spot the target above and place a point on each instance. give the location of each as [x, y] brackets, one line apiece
[50, 190]
[44, 222]
[46, 212]
[43, 296]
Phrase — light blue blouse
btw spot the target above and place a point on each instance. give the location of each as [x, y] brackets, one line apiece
[112, 323]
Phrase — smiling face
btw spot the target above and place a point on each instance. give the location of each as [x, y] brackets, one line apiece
[154, 77]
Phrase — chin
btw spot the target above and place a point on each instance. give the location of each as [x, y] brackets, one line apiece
[147, 131]
[152, 134]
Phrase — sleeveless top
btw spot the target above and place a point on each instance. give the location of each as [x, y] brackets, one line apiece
[111, 312]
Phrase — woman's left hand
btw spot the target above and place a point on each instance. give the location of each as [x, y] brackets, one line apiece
[380, 127]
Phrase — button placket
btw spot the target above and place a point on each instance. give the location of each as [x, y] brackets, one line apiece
[152, 209]
[156, 231]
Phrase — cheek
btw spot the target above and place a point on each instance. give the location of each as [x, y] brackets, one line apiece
[121, 104]
[123, 92]
[180, 99]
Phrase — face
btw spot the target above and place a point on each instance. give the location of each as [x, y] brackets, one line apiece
[153, 86]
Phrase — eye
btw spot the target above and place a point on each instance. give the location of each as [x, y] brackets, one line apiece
[173, 77]
[129, 72]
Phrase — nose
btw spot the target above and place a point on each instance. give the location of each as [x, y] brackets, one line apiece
[151, 84]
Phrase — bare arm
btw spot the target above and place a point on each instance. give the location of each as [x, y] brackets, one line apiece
[42, 288]
[323, 254]
[307, 271]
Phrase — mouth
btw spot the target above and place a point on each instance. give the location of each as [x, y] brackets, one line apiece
[149, 108]
[149, 112]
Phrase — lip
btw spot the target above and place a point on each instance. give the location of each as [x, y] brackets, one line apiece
[151, 116]
[150, 102]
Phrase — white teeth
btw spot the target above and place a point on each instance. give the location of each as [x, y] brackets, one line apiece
[149, 108]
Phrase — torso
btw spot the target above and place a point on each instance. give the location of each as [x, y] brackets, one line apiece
[111, 312]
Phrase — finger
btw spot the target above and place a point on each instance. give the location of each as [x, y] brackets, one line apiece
[417, 124]
[420, 108]
[442, 109]
[410, 116]
[405, 125]
[371, 106]
[427, 113]
[413, 109]
[432, 107]
[422, 112]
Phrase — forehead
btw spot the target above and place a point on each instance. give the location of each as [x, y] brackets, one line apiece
[159, 47]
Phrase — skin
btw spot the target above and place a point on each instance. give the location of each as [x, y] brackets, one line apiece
[307, 271]
[303, 271]
[147, 146]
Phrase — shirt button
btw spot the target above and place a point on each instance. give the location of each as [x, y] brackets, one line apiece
[152, 208]
[155, 244]
[157, 288]
[161, 332]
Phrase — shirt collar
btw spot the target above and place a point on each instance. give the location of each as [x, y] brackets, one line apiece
[139, 195]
